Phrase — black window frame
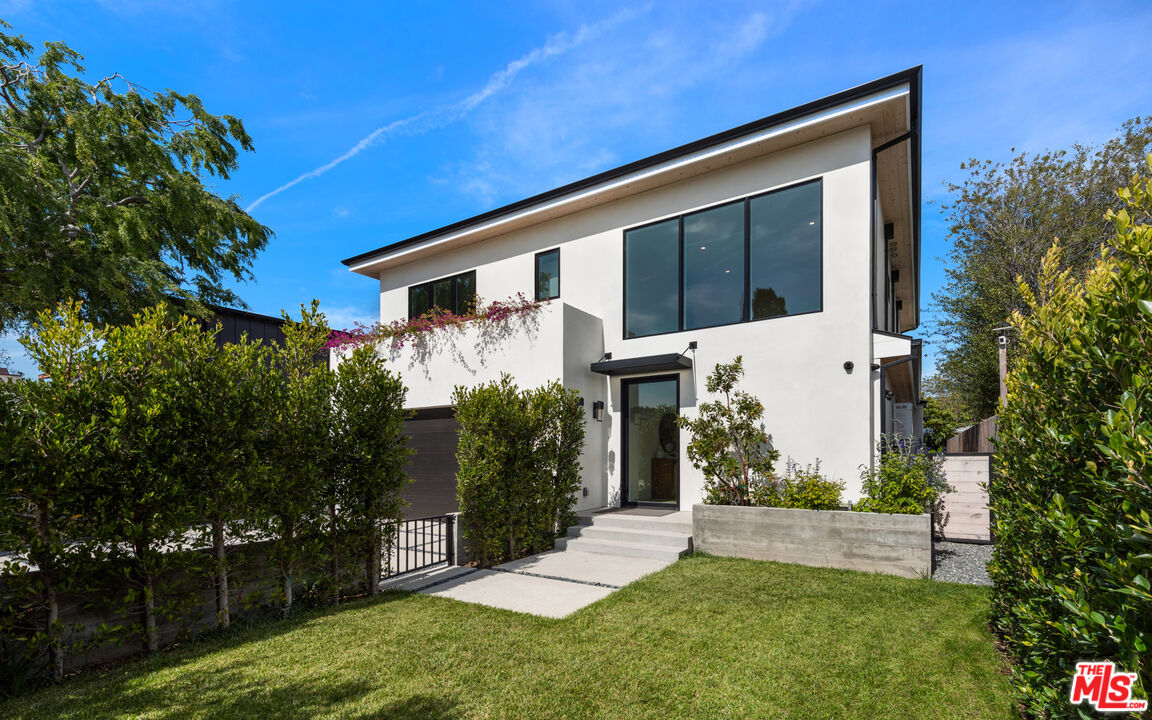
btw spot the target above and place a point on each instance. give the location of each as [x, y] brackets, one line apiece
[536, 276]
[428, 287]
[745, 313]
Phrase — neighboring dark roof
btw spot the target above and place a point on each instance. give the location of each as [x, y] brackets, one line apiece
[646, 364]
[910, 76]
[234, 323]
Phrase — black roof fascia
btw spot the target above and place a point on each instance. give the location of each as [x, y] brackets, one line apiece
[646, 364]
[911, 76]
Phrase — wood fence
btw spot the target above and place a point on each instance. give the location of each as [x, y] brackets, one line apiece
[977, 438]
[967, 518]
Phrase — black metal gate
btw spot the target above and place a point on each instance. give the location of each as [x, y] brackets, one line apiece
[416, 544]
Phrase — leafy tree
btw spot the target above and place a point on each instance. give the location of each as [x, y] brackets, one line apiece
[371, 452]
[729, 443]
[102, 194]
[140, 495]
[939, 423]
[1002, 219]
[1071, 497]
[227, 425]
[48, 435]
[298, 447]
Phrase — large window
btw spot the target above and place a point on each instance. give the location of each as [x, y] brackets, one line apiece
[455, 294]
[651, 276]
[751, 259]
[548, 275]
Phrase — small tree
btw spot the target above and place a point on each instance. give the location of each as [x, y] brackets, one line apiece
[140, 496]
[370, 455]
[939, 423]
[496, 455]
[298, 448]
[729, 443]
[560, 444]
[227, 423]
[48, 434]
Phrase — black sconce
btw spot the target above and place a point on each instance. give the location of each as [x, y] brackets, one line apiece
[598, 411]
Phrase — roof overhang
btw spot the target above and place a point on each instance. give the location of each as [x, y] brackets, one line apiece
[889, 106]
[646, 364]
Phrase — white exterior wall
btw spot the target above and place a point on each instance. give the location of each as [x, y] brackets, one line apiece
[794, 365]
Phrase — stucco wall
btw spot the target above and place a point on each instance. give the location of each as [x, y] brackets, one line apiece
[814, 409]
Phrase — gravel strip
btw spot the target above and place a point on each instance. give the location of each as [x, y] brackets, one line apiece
[962, 562]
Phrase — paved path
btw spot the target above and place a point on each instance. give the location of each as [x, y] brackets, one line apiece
[553, 584]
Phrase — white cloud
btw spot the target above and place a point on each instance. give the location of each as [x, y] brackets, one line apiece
[348, 316]
[617, 92]
[438, 117]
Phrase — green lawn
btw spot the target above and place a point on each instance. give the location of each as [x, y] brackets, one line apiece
[706, 638]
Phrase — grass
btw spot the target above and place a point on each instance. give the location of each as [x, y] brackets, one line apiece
[706, 638]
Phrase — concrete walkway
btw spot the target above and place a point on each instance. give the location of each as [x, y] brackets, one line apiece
[553, 584]
[608, 550]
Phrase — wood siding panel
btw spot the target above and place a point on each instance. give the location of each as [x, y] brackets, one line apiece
[968, 517]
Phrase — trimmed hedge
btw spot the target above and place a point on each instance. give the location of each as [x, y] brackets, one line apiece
[1070, 497]
[519, 457]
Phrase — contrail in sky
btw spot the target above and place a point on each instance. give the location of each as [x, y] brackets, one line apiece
[446, 114]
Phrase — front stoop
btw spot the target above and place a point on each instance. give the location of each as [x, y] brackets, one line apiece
[666, 538]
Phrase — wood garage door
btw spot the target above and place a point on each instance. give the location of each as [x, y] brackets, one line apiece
[432, 434]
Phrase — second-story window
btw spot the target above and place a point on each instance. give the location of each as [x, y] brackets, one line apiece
[548, 275]
[755, 258]
[456, 294]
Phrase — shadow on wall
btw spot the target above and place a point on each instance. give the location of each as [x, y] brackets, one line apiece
[454, 341]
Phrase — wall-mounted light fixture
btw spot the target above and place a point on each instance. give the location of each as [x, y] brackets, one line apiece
[598, 411]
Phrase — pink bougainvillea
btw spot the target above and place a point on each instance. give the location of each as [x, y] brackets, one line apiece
[400, 332]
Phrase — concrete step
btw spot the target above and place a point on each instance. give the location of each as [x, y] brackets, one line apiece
[648, 536]
[625, 549]
[641, 522]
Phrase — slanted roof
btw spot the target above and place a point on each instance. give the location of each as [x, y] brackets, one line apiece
[889, 105]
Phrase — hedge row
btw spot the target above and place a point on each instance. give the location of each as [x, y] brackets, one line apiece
[1071, 495]
[150, 440]
[519, 466]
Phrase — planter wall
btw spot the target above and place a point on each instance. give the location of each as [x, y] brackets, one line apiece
[874, 542]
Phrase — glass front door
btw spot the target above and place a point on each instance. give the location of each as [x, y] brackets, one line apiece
[651, 437]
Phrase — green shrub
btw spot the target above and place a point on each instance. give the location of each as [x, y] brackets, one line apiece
[806, 488]
[1071, 496]
[729, 443]
[907, 480]
[519, 468]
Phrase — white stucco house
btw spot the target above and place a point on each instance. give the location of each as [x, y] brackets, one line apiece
[793, 240]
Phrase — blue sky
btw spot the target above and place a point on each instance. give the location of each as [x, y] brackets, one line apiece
[398, 118]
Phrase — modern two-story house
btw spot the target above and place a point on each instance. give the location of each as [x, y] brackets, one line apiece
[793, 241]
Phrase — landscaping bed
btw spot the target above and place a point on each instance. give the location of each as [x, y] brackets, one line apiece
[708, 637]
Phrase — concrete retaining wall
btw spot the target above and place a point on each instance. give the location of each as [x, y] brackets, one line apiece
[874, 542]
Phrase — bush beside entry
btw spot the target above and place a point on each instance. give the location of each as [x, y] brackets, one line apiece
[731, 447]
[1071, 497]
[519, 466]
